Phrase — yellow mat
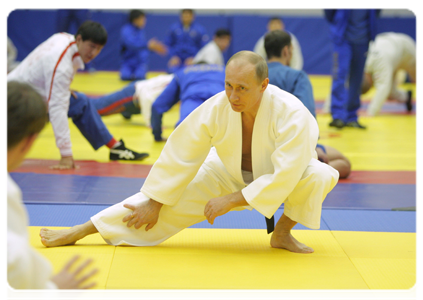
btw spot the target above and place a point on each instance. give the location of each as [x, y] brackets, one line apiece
[243, 259]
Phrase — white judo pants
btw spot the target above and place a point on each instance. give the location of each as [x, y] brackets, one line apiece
[303, 205]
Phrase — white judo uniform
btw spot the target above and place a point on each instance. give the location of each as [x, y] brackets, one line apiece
[50, 69]
[211, 54]
[147, 91]
[389, 53]
[297, 55]
[26, 268]
[202, 160]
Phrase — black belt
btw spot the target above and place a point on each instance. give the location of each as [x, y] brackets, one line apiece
[270, 223]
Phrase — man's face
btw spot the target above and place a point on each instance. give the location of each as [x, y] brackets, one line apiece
[223, 42]
[88, 50]
[275, 25]
[242, 87]
[289, 50]
[187, 18]
[140, 22]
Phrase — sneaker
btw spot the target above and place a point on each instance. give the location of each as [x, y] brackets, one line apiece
[408, 103]
[123, 153]
[338, 123]
[355, 124]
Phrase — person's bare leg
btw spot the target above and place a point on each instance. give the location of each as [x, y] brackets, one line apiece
[54, 238]
[282, 237]
[338, 161]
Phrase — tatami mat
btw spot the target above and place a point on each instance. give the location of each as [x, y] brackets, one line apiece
[243, 259]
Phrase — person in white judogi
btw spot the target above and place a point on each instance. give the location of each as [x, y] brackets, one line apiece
[297, 56]
[388, 54]
[212, 52]
[250, 146]
[26, 267]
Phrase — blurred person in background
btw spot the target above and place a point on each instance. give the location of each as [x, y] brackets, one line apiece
[135, 48]
[276, 23]
[50, 69]
[26, 268]
[389, 54]
[351, 30]
[212, 53]
[184, 39]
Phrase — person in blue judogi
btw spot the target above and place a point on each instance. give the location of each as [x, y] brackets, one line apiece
[135, 48]
[192, 85]
[184, 39]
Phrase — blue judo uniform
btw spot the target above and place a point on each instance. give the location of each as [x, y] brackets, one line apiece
[351, 32]
[186, 42]
[86, 113]
[192, 85]
[134, 53]
[293, 81]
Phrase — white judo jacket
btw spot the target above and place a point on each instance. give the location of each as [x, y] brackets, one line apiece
[26, 268]
[50, 69]
[389, 53]
[211, 54]
[283, 144]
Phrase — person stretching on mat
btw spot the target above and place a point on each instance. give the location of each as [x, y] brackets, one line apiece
[26, 268]
[250, 146]
[50, 68]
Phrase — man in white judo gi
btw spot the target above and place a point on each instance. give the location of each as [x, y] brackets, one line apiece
[250, 146]
[26, 267]
[212, 52]
[388, 54]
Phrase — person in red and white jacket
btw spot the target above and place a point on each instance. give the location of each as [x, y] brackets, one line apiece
[50, 69]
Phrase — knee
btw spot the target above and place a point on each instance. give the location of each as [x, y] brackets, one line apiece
[321, 174]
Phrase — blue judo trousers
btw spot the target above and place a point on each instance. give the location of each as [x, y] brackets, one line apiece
[192, 85]
[86, 113]
[351, 32]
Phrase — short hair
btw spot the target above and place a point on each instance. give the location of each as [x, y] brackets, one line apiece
[188, 10]
[26, 112]
[274, 18]
[221, 32]
[275, 41]
[135, 14]
[262, 71]
[92, 31]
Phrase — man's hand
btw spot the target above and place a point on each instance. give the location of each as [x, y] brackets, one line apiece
[67, 279]
[65, 163]
[221, 205]
[174, 61]
[189, 61]
[322, 155]
[144, 213]
[157, 46]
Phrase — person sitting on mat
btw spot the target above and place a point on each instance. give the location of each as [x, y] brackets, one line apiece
[250, 146]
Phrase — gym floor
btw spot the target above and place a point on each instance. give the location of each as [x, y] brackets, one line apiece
[367, 239]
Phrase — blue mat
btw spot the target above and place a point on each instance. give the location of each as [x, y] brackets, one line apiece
[76, 189]
[66, 215]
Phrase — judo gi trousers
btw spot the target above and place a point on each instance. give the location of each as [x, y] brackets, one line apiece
[132, 69]
[85, 116]
[348, 64]
[303, 205]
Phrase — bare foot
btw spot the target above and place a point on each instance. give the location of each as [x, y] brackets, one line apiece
[288, 242]
[54, 238]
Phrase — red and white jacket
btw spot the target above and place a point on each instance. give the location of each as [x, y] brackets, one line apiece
[50, 69]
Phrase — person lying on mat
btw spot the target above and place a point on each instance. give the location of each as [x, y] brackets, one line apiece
[250, 146]
[26, 268]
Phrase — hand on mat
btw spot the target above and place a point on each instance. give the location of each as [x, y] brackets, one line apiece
[65, 163]
[144, 213]
[72, 279]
